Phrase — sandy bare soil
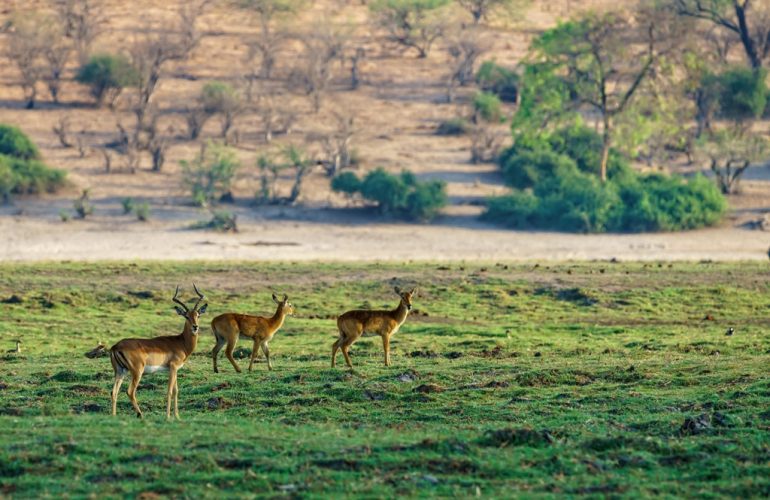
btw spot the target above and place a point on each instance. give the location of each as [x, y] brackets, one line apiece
[295, 235]
[396, 110]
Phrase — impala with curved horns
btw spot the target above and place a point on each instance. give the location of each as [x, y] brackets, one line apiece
[168, 353]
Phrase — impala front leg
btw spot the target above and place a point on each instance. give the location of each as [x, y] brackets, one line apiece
[170, 392]
[136, 377]
[386, 348]
[176, 399]
[266, 350]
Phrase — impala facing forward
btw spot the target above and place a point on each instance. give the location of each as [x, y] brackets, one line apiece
[168, 353]
[353, 324]
[229, 326]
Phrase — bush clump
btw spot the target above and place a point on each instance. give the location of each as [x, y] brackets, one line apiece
[21, 171]
[487, 107]
[498, 80]
[401, 195]
[210, 175]
[107, 75]
[453, 126]
[557, 187]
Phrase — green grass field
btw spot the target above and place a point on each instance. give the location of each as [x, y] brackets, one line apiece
[572, 379]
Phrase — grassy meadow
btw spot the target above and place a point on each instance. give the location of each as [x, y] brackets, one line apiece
[602, 379]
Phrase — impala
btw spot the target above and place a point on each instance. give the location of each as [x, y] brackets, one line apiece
[353, 324]
[229, 327]
[167, 353]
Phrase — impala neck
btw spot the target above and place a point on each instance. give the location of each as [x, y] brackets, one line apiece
[279, 316]
[190, 340]
[401, 312]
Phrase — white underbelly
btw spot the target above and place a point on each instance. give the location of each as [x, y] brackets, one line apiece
[155, 368]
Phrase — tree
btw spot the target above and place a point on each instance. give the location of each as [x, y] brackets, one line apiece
[221, 98]
[748, 20]
[603, 62]
[313, 74]
[465, 46]
[107, 75]
[268, 39]
[302, 165]
[27, 45]
[210, 175]
[82, 21]
[411, 23]
[730, 152]
[481, 9]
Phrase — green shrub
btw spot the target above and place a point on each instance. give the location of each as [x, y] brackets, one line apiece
[487, 107]
[221, 220]
[107, 75]
[346, 182]
[402, 195]
[579, 202]
[64, 215]
[527, 169]
[219, 97]
[128, 205]
[496, 79]
[584, 145]
[209, 176]
[426, 200]
[453, 126]
[82, 205]
[13, 142]
[19, 176]
[142, 212]
[741, 92]
[517, 210]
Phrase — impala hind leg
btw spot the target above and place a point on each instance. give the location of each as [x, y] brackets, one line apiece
[254, 353]
[229, 353]
[345, 347]
[135, 379]
[215, 351]
[116, 391]
[335, 348]
[266, 350]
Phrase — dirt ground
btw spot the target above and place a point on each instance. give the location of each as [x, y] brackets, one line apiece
[396, 111]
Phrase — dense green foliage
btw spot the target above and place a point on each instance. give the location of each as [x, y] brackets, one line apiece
[209, 176]
[739, 93]
[498, 80]
[453, 126]
[15, 143]
[573, 379]
[487, 107]
[107, 75]
[219, 97]
[560, 175]
[21, 171]
[402, 195]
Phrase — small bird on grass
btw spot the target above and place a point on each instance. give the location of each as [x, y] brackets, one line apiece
[17, 349]
[730, 332]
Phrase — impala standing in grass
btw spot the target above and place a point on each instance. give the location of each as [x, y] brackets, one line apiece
[353, 324]
[229, 326]
[167, 353]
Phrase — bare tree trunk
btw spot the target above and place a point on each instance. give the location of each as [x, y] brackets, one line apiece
[606, 141]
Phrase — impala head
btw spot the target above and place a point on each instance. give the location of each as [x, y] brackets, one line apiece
[191, 315]
[284, 303]
[406, 297]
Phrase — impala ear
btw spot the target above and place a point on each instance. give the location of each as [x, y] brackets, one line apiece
[398, 290]
[203, 309]
[275, 299]
[413, 292]
[285, 298]
[180, 311]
